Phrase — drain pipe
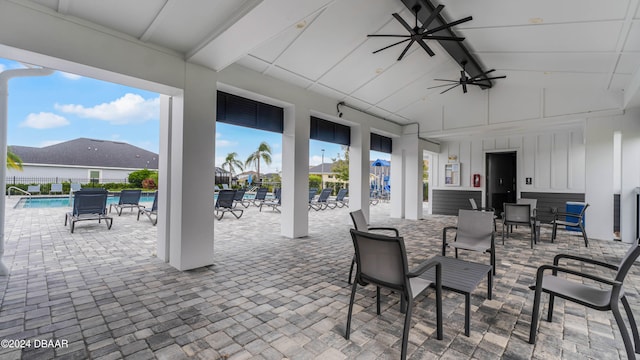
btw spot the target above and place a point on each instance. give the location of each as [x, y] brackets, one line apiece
[5, 76]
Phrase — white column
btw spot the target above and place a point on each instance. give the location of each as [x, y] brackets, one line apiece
[630, 175]
[186, 190]
[599, 178]
[294, 221]
[359, 151]
[406, 175]
[397, 179]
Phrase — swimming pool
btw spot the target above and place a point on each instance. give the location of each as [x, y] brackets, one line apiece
[59, 201]
[65, 201]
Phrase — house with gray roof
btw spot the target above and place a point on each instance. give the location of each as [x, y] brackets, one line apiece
[81, 160]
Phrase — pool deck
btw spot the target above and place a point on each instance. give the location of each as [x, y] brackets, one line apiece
[270, 297]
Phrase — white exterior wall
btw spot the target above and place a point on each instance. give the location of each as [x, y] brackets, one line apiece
[65, 173]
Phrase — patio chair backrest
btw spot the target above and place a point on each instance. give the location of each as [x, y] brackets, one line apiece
[90, 201]
[341, 194]
[312, 194]
[75, 187]
[154, 207]
[130, 197]
[627, 260]
[381, 259]
[532, 202]
[474, 206]
[474, 226]
[324, 195]
[359, 221]
[33, 188]
[517, 213]
[239, 195]
[225, 199]
[56, 188]
[261, 194]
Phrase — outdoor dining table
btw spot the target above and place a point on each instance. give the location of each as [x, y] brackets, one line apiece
[462, 277]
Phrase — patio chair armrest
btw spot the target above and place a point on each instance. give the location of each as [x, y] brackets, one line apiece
[558, 214]
[444, 233]
[424, 266]
[557, 269]
[486, 209]
[386, 229]
[557, 258]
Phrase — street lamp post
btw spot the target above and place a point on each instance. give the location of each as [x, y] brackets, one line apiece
[322, 170]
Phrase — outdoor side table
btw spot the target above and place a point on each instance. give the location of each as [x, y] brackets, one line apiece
[462, 277]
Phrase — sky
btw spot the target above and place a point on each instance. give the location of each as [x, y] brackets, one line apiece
[46, 110]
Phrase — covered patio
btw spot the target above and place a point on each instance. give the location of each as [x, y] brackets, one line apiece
[270, 297]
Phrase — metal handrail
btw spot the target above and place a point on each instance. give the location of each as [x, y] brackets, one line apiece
[16, 188]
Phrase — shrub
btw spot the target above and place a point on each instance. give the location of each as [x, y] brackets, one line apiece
[149, 184]
[137, 177]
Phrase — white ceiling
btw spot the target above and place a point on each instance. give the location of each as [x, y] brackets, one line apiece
[322, 45]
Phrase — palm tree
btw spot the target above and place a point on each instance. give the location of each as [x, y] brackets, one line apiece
[232, 163]
[264, 153]
[13, 160]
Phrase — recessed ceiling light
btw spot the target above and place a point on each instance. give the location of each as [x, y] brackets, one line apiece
[379, 70]
[301, 24]
[547, 72]
[536, 20]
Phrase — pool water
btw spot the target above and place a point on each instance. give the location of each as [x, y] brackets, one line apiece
[54, 202]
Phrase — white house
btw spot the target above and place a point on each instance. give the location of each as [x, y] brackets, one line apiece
[81, 160]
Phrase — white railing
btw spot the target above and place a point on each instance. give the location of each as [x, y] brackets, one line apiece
[17, 188]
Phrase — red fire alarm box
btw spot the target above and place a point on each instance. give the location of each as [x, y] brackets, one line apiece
[476, 180]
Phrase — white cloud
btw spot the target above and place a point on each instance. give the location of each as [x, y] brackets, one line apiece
[129, 109]
[2, 68]
[44, 120]
[316, 160]
[226, 143]
[50, 142]
[70, 76]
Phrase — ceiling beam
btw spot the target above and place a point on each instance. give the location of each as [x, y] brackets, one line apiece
[456, 49]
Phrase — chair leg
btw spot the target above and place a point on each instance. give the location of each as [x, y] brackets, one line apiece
[353, 297]
[632, 323]
[584, 235]
[553, 231]
[503, 233]
[493, 260]
[353, 264]
[534, 316]
[405, 332]
[378, 300]
[623, 330]
[550, 310]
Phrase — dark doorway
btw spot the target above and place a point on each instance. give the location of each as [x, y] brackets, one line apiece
[501, 180]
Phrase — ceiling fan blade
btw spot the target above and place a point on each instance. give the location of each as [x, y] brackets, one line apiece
[446, 26]
[454, 86]
[394, 44]
[483, 74]
[426, 48]
[435, 37]
[404, 23]
[496, 77]
[439, 86]
[405, 50]
[431, 17]
[388, 35]
[455, 81]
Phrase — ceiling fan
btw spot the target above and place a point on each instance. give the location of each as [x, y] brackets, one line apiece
[465, 80]
[418, 34]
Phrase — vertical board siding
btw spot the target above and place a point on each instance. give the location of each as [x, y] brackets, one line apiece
[549, 201]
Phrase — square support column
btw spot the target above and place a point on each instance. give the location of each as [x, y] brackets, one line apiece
[359, 167]
[187, 153]
[406, 175]
[294, 221]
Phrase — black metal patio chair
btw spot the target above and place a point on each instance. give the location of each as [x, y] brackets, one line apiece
[604, 297]
[88, 204]
[475, 232]
[128, 199]
[152, 211]
[382, 261]
[224, 204]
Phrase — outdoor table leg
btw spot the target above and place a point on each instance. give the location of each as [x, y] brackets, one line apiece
[467, 313]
